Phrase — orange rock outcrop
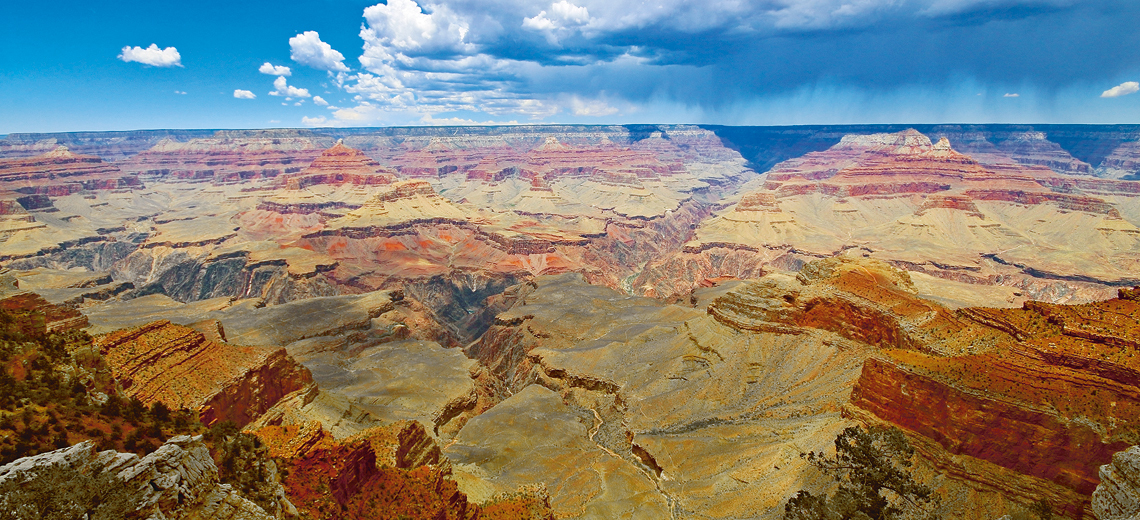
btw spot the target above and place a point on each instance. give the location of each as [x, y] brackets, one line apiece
[180, 367]
[342, 165]
[1049, 391]
[394, 471]
[55, 318]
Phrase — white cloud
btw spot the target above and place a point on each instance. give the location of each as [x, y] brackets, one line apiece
[320, 121]
[182, 92]
[1123, 89]
[593, 108]
[1015, 94]
[427, 119]
[152, 55]
[570, 13]
[539, 22]
[244, 94]
[563, 20]
[288, 91]
[401, 26]
[320, 101]
[308, 49]
[275, 70]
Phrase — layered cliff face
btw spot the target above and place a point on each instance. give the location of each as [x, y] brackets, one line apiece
[60, 172]
[228, 157]
[181, 367]
[29, 187]
[926, 207]
[178, 481]
[385, 472]
[1047, 391]
[341, 165]
[693, 409]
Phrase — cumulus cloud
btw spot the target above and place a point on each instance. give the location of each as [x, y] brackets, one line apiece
[308, 49]
[152, 56]
[562, 21]
[1015, 94]
[1123, 89]
[181, 92]
[244, 94]
[288, 91]
[402, 26]
[319, 101]
[275, 70]
[592, 108]
[317, 121]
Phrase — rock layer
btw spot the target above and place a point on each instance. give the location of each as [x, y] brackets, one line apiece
[180, 367]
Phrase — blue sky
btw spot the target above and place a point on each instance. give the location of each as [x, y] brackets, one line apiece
[90, 65]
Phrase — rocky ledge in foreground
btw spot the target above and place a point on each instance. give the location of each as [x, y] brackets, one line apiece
[177, 481]
[1118, 495]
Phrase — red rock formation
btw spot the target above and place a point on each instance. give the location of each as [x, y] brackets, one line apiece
[342, 165]
[1032, 148]
[906, 163]
[1053, 397]
[178, 366]
[59, 173]
[55, 317]
[395, 471]
[225, 158]
[758, 201]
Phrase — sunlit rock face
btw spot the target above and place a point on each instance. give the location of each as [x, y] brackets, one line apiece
[184, 368]
[1117, 496]
[179, 480]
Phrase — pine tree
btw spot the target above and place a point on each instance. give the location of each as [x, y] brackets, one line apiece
[866, 464]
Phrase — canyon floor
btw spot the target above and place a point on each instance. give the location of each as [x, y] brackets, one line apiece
[580, 322]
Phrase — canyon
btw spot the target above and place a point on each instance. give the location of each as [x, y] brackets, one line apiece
[641, 321]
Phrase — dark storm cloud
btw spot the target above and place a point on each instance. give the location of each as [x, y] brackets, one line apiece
[715, 53]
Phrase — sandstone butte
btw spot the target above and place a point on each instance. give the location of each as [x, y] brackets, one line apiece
[338, 165]
[184, 369]
[922, 206]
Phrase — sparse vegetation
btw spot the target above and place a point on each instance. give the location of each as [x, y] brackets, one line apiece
[872, 470]
[55, 390]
